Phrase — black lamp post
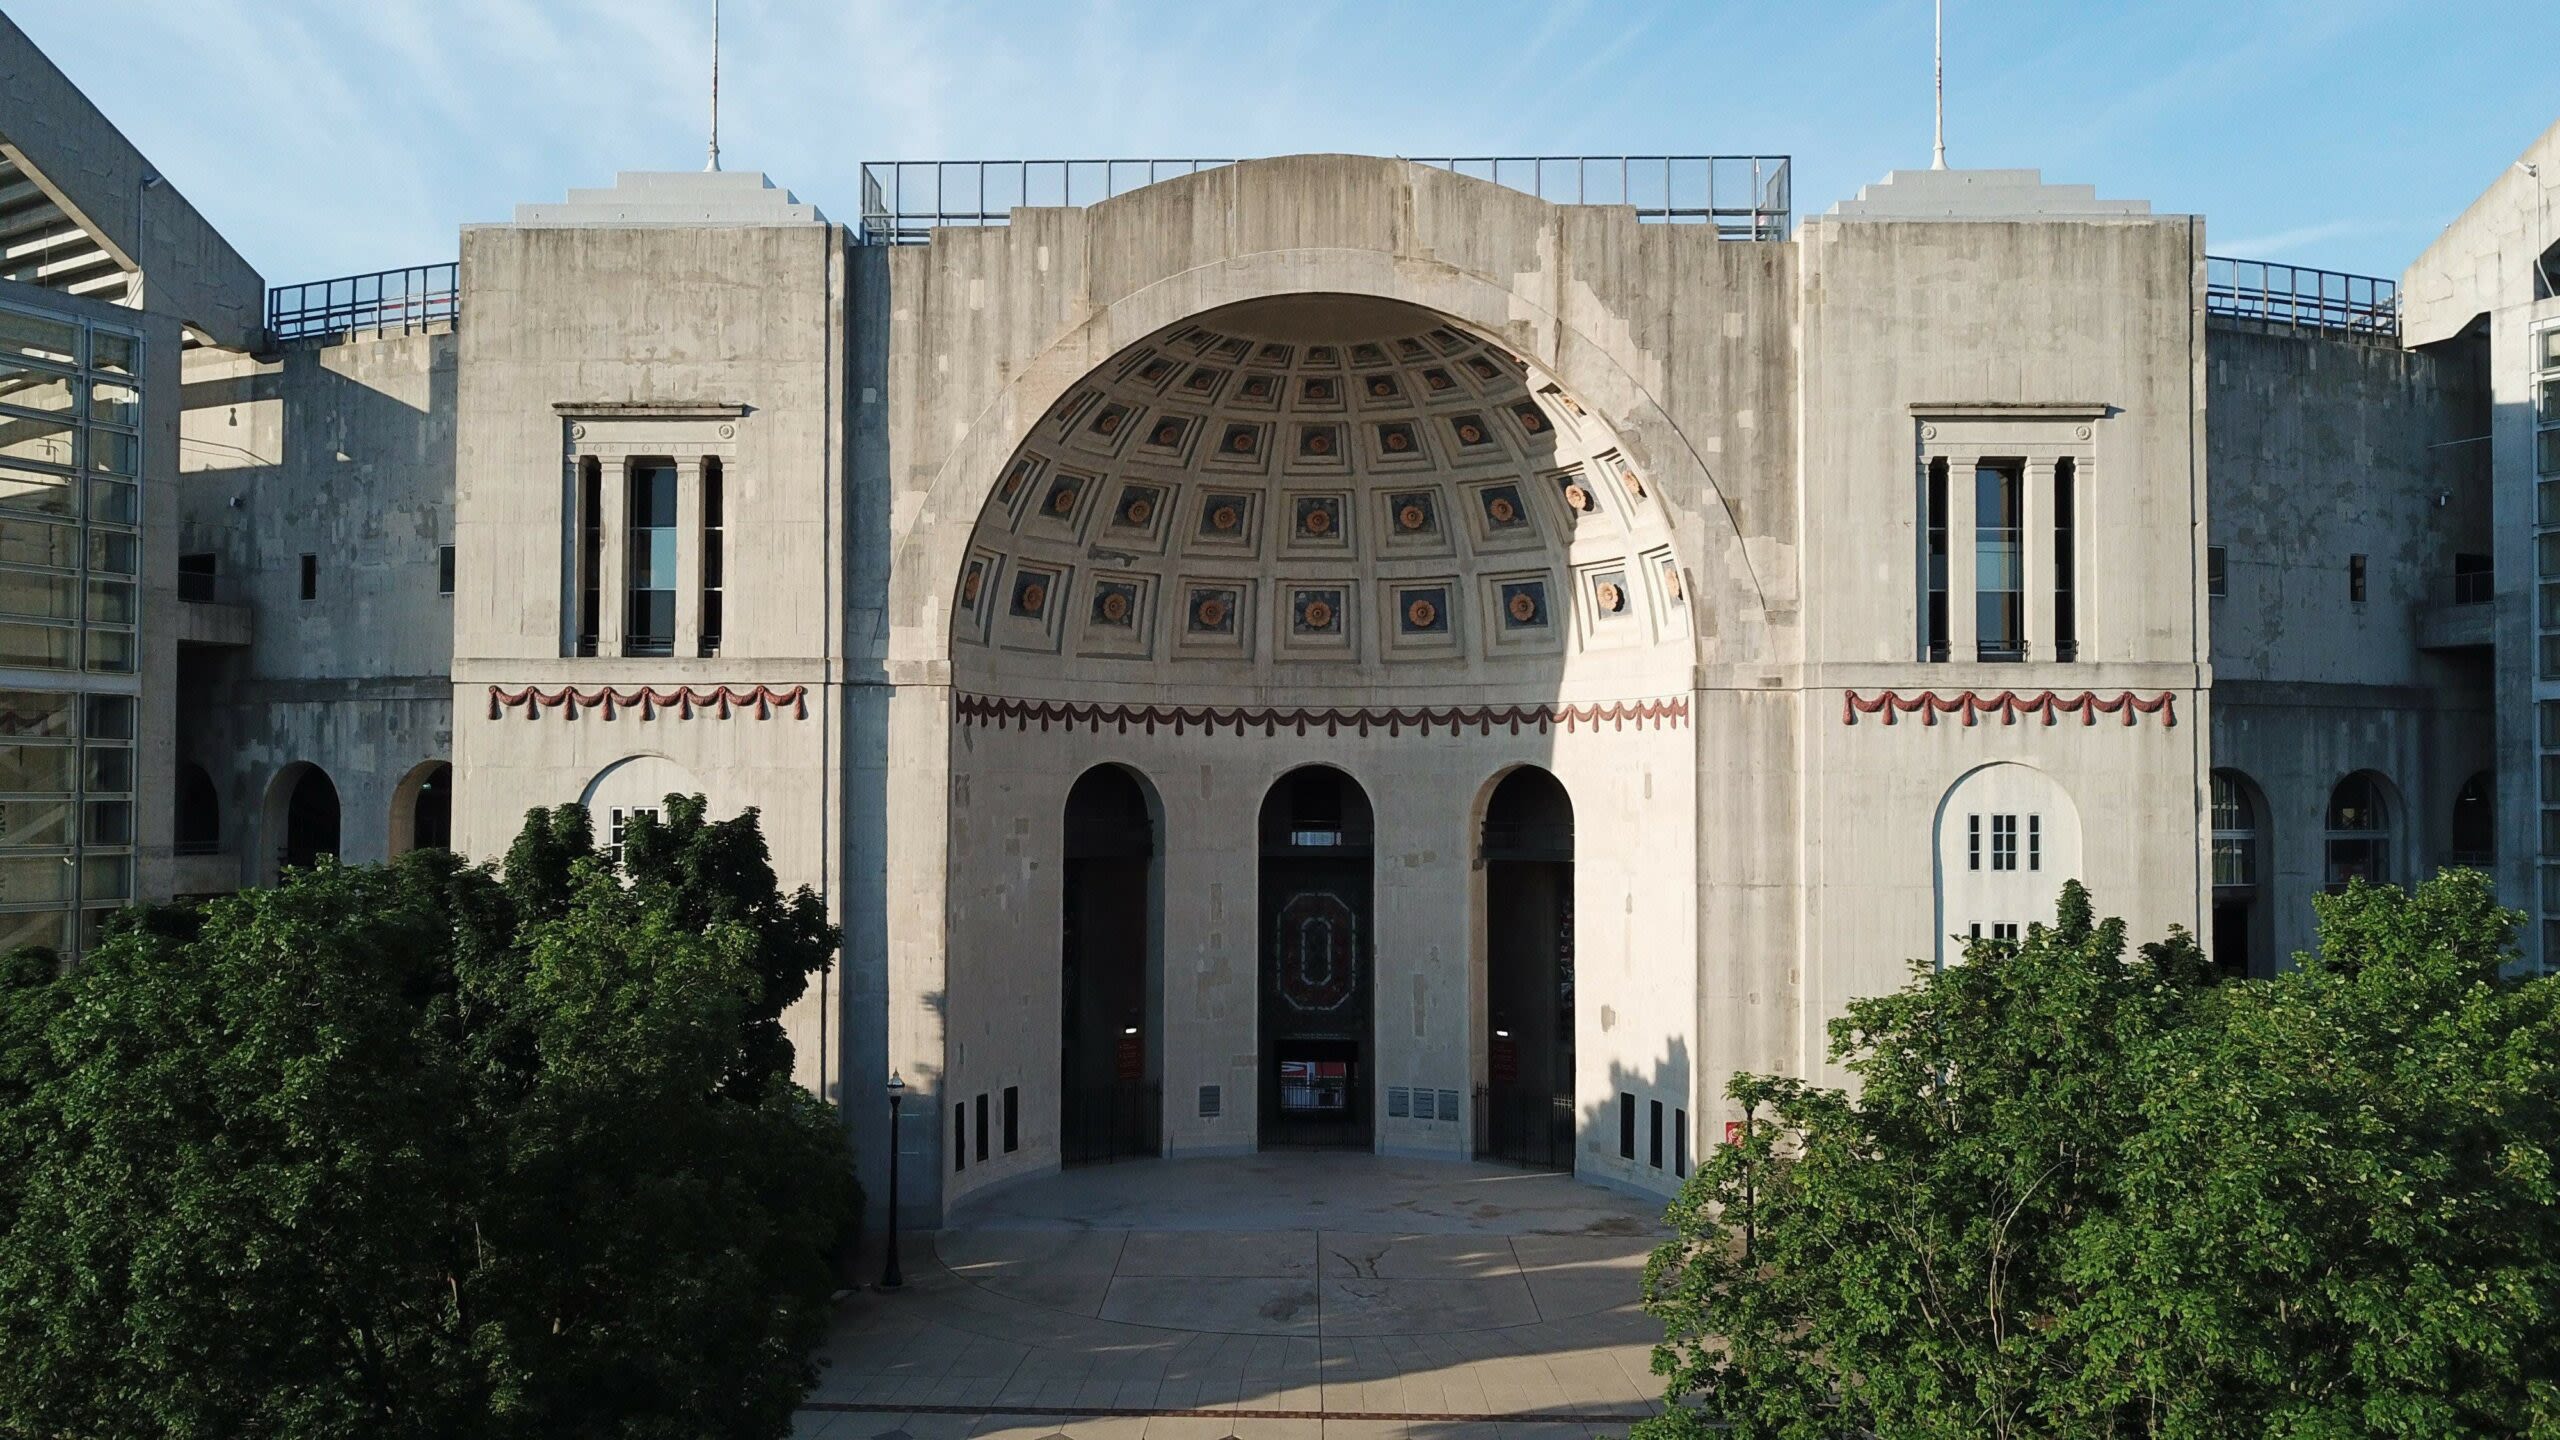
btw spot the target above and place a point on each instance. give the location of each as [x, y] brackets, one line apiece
[890, 1279]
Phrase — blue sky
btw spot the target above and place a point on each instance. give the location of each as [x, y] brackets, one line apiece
[329, 136]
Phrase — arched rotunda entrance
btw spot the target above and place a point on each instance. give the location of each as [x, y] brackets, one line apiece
[1384, 644]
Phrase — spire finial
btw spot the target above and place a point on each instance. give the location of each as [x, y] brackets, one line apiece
[715, 87]
[1939, 57]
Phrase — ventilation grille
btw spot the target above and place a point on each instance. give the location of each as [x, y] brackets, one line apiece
[1208, 1102]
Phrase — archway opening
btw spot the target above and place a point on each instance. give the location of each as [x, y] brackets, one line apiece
[2475, 824]
[310, 817]
[2238, 947]
[1111, 976]
[1316, 1078]
[2359, 833]
[1524, 1106]
[422, 809]
[198, 820]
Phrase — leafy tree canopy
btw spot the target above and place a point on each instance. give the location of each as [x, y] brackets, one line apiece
[417, 1150]
[2081, 1192]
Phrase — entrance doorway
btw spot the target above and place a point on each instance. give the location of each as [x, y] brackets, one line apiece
[1524, 1109]
[1315, 1060]
[1111, 1097]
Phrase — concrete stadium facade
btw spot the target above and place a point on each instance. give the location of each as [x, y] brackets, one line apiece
[1322, 650]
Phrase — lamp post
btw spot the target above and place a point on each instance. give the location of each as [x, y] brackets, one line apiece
[890, 1279]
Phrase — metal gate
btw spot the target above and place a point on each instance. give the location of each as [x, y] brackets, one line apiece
[1525, 1129]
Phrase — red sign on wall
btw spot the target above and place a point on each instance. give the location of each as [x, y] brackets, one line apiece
[1733, 1132]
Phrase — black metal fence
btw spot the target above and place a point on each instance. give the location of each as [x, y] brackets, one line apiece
[403, 300]
[1123, 1120]
[1745, 197]
[1524, 1128]
[2297, 297]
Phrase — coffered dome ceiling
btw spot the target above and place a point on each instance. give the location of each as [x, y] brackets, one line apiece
[1314, 492]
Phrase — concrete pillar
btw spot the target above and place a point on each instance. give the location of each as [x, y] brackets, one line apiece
[688, 641]
[1962, 536]
[615, 493]
[2036, 558]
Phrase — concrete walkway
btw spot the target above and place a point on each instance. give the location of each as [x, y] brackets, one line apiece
[1313, 1296]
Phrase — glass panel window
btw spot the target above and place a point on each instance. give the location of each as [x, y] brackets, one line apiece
[31, 387]
[45, 442]
[35, 715]
[33, 542]
[2359, 838]
[115, 354]
[1999, 572]
[106, 877]
[111, 601]
[110, 823]
[113, 452]
[113, 554]
[36, 769]
[34, 879]
[113, 503]
[2004, 842]
[40, 493]
[39, 337]
[111, 652]
[35, 595]
[36, 824]
[1936, 599]
[108, 717]
[35, 647]
[115, 403]
[649, 624]
[110, 769]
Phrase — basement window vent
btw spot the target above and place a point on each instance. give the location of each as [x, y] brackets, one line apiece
[1208, 1102]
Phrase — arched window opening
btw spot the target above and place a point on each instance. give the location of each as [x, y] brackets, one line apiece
[431, 823]
[2475, 824]
[198, 828]
[2359, 838]
[1111, 1003]
[1316, 966]
[1525, 1097]
[2237, 948]
[310, 818]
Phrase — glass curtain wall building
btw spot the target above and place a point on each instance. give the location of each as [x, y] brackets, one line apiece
[70, 547]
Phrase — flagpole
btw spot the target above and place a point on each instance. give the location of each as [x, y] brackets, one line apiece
[715, 87]
[1939, 57]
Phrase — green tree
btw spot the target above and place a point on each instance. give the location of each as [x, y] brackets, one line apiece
[2081, 1192]
[416, 1151]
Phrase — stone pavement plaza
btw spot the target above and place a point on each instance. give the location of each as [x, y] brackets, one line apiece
[1311, 1295]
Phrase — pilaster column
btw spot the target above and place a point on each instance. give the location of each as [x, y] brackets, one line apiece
[688, 556]
[612, 599]
[2036, 558]
[1962, 537]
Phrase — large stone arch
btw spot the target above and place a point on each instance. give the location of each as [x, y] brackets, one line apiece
[1602, 370]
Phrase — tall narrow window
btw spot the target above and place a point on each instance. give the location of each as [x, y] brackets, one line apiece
[2004, 842]
[2217, 571]
[1653, 1147]
[310, 577]
[712, 526]
[2355, 578]
[590, 552]
[1999, 580]
[2035, 842]
[1973, 842]
[1937, 598]
[649, 560]
[959, 1134]
[444, 569]
[1626, 1126]
[2066, 578]
[982, 1128]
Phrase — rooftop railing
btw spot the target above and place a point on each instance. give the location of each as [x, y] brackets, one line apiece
[2297, 297]
[1745, 197]
[402, 301]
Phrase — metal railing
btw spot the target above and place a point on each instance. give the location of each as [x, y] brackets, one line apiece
[1745, 197]
[2297, 297]
[403, 300]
